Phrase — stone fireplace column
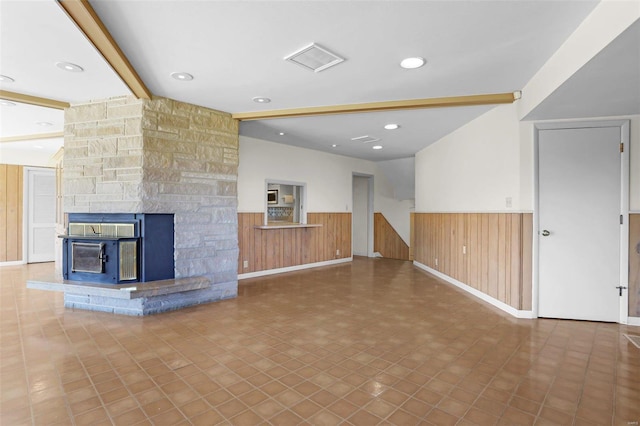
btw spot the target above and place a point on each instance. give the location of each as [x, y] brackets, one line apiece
[128, 155]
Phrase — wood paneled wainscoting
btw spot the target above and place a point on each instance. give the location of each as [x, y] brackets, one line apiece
[11, 187]
[266, 249]
[490, 252]
[386, 240]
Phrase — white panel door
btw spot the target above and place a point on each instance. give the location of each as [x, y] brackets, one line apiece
[579, 223]
[41, 215]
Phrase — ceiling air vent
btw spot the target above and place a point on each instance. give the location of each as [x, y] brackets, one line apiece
[365, 139]
[314, 58]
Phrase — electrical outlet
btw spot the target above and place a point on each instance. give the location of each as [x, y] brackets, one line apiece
[245, 264]
[508, 202]
[464, 249]
[436, 261]
[338, 252]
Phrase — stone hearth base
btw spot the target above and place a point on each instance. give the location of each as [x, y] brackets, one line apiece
[137, 299]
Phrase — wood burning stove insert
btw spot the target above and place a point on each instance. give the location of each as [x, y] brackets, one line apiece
[118, 248]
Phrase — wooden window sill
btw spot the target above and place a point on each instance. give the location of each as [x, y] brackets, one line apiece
[287, 225]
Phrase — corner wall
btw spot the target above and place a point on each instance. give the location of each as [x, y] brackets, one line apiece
[477, 167]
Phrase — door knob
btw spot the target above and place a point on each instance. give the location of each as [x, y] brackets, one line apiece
[545, 233]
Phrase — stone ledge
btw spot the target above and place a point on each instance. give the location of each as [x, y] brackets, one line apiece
[122, 291]
[132, 299]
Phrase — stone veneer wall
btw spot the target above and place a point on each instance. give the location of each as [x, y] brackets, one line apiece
[128, 155]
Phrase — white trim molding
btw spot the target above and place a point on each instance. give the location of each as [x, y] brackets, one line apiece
[635, 321]
[13, 263]
[480, 295]
[293, 268]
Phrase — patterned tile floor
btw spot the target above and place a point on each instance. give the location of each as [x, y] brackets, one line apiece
[371, 342]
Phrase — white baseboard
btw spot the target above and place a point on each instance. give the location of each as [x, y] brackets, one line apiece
[480, 295]
[635, 321]
[293, 268]
[13, 263]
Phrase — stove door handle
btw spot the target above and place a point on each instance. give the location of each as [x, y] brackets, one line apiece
[102, 256]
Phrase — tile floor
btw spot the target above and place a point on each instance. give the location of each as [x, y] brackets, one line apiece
[371, 342]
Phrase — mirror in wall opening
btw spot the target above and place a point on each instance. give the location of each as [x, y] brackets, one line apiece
[285, 203]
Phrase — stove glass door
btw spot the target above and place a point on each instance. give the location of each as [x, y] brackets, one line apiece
[87, 257]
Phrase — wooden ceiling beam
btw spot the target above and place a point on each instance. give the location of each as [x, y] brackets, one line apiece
[451, 101]
[81, 12]
[32, 137]
[32, 100]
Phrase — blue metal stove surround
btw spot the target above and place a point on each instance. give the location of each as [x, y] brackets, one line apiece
[118, 248]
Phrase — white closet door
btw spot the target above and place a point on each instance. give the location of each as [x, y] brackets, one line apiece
[41, 215]
[579, 205]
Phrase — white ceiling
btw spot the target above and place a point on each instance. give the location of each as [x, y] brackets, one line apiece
[607, 85]
[235, 51]
[418, 128]
[23, 119]
[45, 147]
[34, 35]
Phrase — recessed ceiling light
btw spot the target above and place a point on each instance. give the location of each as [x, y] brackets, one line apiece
[44, 123]
[182, 76]
[38, 146]
[412, 63]
[6, 79]
[377, 147]
[68, 66]
[391, 126]
[281, 133]
[7, 103]
[261, 100]
[334, 145]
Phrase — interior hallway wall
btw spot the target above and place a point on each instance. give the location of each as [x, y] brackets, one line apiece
[329, 186]
[328, 178]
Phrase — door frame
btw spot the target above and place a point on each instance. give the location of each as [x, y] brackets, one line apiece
[370, 193]
[624, 126]
[25, 208]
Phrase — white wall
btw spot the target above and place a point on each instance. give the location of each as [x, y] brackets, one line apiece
[396, 212]
[473, 169]
[527, 172]
[477, 166]
[328, 178]
[634, 166]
